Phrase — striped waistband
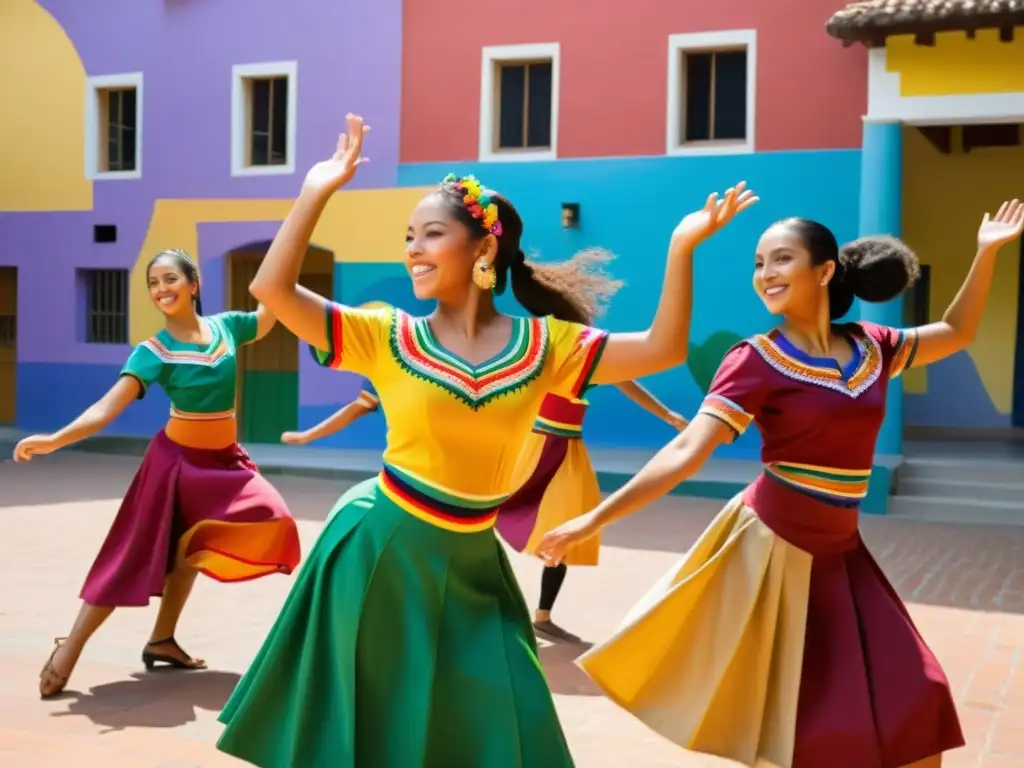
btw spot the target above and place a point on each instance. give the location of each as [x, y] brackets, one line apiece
[560, 417]
[839, 487]
[438, 507]
[189, 416]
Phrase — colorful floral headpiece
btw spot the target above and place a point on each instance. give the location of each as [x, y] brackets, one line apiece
[480, 205]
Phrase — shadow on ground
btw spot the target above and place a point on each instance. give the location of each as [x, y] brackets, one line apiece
[163, 699]
[564, 677]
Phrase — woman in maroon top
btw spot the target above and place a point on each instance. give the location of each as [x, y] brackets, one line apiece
[777, 637]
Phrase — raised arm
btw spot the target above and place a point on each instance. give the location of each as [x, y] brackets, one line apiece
[93, 419]
[676, 462]
[665, 344]
[651, 404]
[365, 404]
[959, 325]
[276, 284]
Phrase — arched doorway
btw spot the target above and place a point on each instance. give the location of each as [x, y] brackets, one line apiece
[268, 380]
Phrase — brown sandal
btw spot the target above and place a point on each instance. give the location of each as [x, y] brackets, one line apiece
[552, 631]
[151, 658]
[52, 682]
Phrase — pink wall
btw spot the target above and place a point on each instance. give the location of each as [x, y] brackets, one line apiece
[811, 92]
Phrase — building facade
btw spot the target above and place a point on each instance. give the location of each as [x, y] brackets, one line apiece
[603, 134]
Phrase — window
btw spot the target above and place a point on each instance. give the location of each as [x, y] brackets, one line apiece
[711, 93]
[114, 127]
[519, 102]
[264, 109]
[106, 305]
[8, 307]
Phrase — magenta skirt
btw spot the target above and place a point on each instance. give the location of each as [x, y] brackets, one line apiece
[210, 509]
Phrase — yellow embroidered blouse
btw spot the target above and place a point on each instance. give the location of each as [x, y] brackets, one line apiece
[455, 429]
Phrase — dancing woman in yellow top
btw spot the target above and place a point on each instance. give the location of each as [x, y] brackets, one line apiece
[405, 640]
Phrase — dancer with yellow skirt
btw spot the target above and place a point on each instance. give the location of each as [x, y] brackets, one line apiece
[778, 640]
[556, 482]
[197, 503]
[405, 640]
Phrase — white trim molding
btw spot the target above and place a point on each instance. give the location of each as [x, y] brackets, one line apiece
[240, 73]
[886, 103]
[94, 122]
[724, 40]
[491, 59]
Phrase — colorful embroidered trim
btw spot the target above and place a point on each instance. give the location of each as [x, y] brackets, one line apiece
[479, 204]
[867, 372]
[417, 351]
[437, 506]
[190, 416]
[725, 410]
[903, 355]
[560, 417]
[191, 356]
[330, 357]
[841, 487]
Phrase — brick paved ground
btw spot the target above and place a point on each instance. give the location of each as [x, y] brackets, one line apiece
[965, 584]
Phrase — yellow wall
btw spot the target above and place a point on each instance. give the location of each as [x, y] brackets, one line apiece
[944, 199]
[957, 65]
[363, 225]
[42, 121]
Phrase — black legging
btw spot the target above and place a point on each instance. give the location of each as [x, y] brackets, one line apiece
[551, 585]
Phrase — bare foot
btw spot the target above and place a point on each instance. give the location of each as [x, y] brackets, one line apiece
[551, 630]
[170, 653]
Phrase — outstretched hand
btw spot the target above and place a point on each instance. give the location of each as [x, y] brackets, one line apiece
[34, 445]
[332, 174]
[553, 546]
[1006, 225]
[716, 213]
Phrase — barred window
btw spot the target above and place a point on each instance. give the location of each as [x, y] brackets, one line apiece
[106, 306]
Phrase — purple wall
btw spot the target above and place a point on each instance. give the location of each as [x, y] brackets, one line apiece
[349, 59]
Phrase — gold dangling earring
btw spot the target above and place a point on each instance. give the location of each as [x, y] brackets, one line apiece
[483, 275]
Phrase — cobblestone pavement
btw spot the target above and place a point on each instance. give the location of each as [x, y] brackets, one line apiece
[965, 585]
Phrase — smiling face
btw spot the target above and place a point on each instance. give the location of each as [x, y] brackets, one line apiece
[785, 276]
[439, 251]
[169, 287]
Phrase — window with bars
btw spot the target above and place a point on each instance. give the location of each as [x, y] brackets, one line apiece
[119, 116]
[524, 105]
[106, 305]
[715, 103]
[268, 120]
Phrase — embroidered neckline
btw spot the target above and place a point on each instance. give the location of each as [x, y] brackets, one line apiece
[827, 376]
[195, 354]
[419, 353]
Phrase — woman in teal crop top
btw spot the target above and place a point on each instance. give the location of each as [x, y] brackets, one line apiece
[197, 503]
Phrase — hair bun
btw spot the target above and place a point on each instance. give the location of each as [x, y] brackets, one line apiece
[878, 268]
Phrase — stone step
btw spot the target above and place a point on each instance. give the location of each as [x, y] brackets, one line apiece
[976, 471]
[944, 487]
[942, 509]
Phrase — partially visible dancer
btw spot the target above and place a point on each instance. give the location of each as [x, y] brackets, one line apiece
[197, 502]
[556, 482]
[366, 403]
[777, 637]
[405, 640]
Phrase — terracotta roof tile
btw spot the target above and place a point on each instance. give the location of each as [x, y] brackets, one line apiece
[871, 20]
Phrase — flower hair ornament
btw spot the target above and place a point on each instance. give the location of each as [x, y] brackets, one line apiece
[479, 204]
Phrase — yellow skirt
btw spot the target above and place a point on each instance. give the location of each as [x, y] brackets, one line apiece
[556, 482]
[750, 627]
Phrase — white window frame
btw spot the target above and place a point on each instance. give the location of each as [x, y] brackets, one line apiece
[492, 58]
[93, 120]
[678, 46]
[240, 116]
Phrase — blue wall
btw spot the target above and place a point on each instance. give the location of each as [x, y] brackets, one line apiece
[628, 206]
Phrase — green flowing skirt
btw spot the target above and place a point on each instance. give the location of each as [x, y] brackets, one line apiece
[401, 645]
